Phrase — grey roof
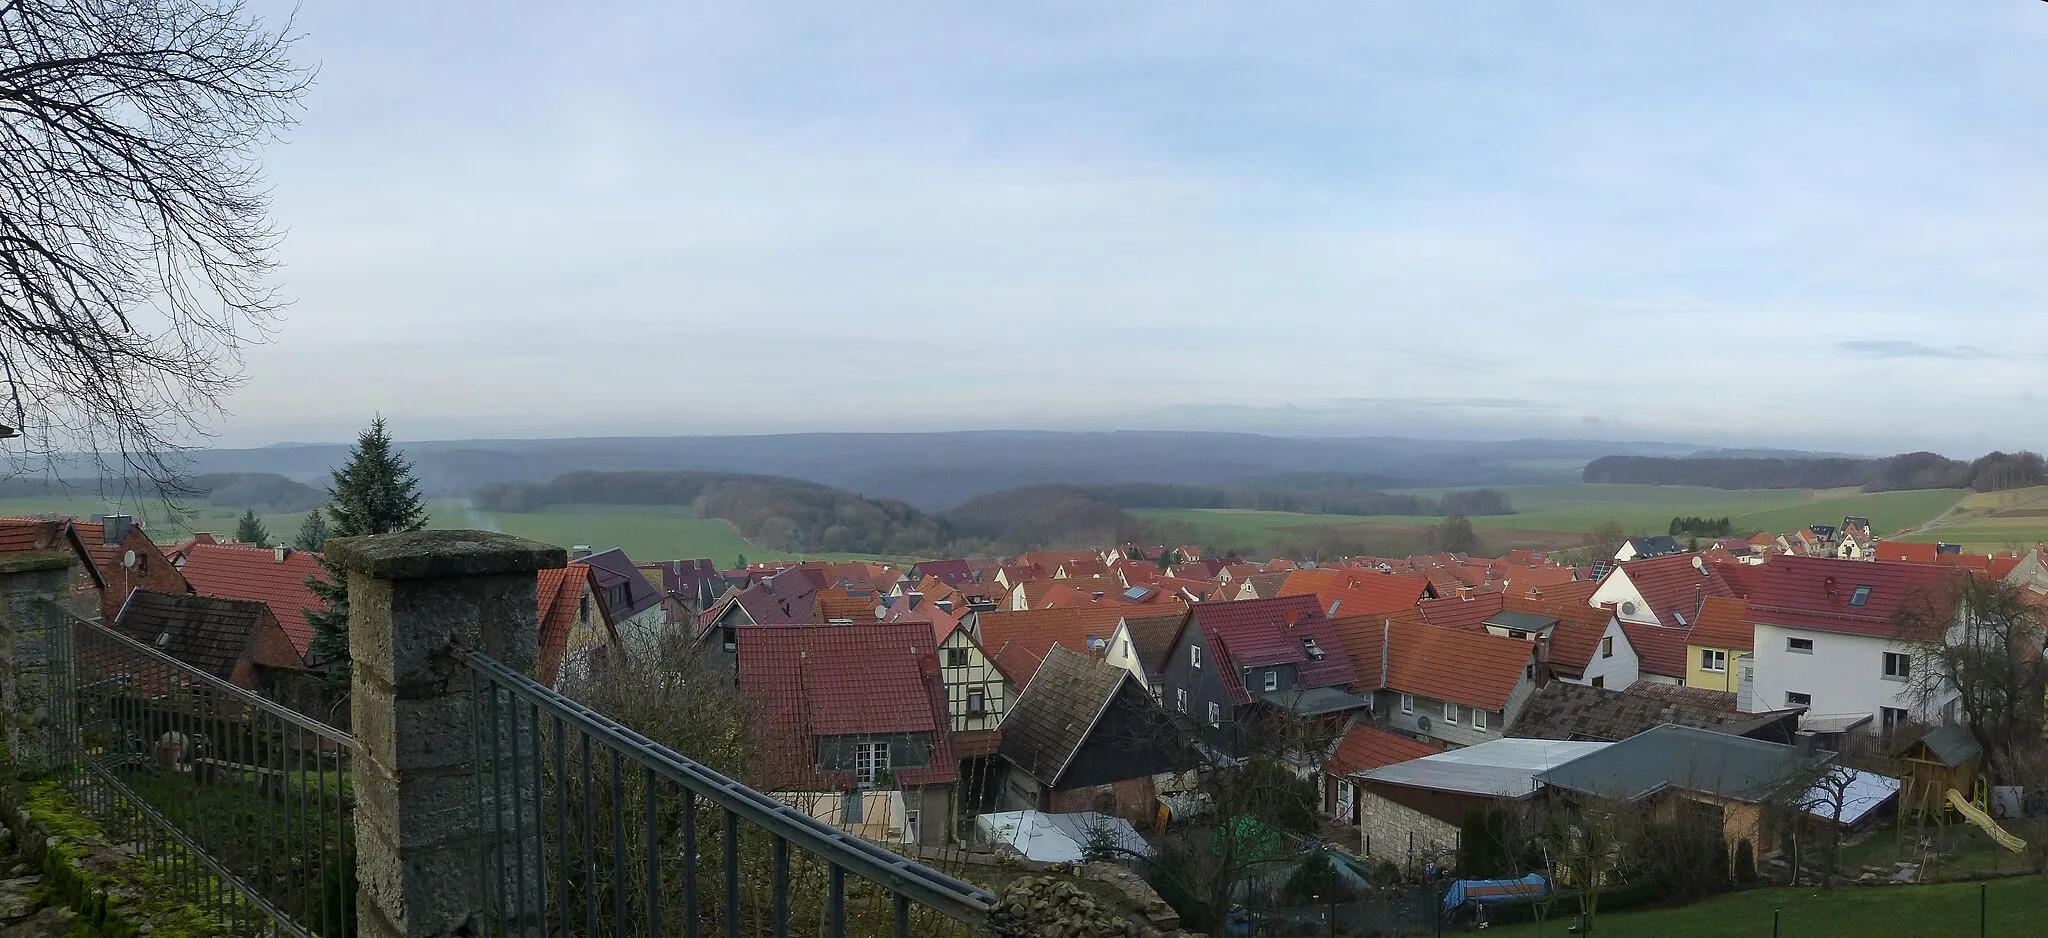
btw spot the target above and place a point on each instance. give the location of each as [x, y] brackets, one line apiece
[1315, 701]
[1053, 716]
[1152, 638]
[1953, 744]
[1267, 585]
[1561, 710]
[1521, 621]
[206, 632]
[1656, 546]
[1502, 768]
[1682, 757]
[616, 576]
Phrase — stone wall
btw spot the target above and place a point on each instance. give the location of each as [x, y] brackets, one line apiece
[1387, 830]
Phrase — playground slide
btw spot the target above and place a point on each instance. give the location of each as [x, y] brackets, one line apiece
[1970, 813]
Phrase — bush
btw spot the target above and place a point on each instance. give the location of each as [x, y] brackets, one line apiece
[1745, 862]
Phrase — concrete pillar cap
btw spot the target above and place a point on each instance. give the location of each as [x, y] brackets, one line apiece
[418, 555]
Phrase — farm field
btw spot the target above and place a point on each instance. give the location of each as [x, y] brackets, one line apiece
[2013, 907]
[1992, 521]
[1576, 507]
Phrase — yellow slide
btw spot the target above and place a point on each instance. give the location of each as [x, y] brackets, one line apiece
[1971, 814]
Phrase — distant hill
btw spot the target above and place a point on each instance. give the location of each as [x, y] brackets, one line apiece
[1991, 472]
[935, 471]
[267, 491]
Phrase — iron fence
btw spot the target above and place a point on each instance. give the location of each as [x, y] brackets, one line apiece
[235, 803]
[600, 831]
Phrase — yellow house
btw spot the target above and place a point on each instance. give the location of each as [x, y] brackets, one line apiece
[1719, 644]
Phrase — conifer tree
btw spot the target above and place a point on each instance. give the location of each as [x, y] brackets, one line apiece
[374, 493]
[312, 532]
[249, 529]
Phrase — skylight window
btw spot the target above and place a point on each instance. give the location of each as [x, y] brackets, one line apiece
[1860, 597]
[1135, 593]
[1314, 651]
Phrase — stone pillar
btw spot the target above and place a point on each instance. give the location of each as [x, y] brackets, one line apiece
[419, 836]
[31, 585]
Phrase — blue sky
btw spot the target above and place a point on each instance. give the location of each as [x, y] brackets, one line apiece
[1818, 225]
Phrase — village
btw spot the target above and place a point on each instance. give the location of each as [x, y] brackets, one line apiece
[1071, 705]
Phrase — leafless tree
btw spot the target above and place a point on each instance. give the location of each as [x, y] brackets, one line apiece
[135, 248]
[1982, 639]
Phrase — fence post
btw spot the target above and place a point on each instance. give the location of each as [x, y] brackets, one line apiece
[420, 835]
[30, 583]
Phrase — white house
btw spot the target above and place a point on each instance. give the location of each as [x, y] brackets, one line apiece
[1667, 591]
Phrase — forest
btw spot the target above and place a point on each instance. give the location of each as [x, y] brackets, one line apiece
[264, 490]
[1992, 472]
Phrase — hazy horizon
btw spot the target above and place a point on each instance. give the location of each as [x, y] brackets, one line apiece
[1801, 227]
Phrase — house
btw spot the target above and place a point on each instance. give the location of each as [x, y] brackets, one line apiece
[1643, 548]
[273, 576]
[690, 587]
[114, 557]
[1559, 710]
[1665, 591]
[1018, 641]
[1574, 641]
[1357, 592]
[1454, 687]
[1140, 645]
[1726, 778]
[631, 604]
[1085, 736]
[953, 573]
[234, 640]
[573, 629]
[1229, 658]
[1825, 639]
[1261, 585]
[1718, 647]
[853, 725]
[1364, 747]
[1410, 813]
[1659, 652]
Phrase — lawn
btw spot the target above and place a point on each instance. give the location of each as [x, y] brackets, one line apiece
[2015, 907]
[1576, 507]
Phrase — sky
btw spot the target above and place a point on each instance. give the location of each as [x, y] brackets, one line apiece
[1814, 225]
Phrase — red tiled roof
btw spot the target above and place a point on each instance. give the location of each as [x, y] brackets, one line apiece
[1469, 668]
[240, 571]
[1577, 633]
[1256, 632]
[1018, 641]
[1577, 591]
[18, 535]
[1814, 593]
[1367, 747]
[1462, 614]
[1906, 551]
[1356, 592]
[560, 594]
[1659, 650]
[1724, 623]
[1674, 586]
[837, 680]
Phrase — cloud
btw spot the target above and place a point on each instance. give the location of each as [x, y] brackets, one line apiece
[1902, 348]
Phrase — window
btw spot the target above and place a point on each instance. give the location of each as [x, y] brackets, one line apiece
[1794, 698]
[956, 657]
[869, 760]
[1215, 714]
[1450, 713]
[730, 637]
[1600, 681]
[1861, 597]
[1529, 672]
[977, 702]
[1607, 647]
[583, 609]
[1407, 703]
[1891, 718]
[1897, 667]
[1713, 659]
[910, 823]
[1272, 679]
[1195, 656]
[1127, 648]
[1799, 646]
[1180, 699]
[1478, 719]
[1309, 645]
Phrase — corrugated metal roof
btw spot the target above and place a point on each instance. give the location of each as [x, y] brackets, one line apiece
[1502, 768]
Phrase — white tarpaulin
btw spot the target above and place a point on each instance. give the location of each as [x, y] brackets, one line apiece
[1866, 792]
[1057, 838]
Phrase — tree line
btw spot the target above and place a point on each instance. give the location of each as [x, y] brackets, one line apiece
[266, 490]
[1700, 527]
[1992, 472]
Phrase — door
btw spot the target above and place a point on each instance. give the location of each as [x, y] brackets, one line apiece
[869, 761]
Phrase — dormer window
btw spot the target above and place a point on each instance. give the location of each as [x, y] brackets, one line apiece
[1309, 645]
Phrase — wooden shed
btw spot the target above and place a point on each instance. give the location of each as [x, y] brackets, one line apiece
[1946, 758]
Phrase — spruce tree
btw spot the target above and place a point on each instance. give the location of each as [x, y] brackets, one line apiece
[312, 532]
[249, 529]
[374, 493]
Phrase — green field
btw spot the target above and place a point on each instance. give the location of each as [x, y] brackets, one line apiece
[1576, 507]
[2015, 907]
[1991, 521]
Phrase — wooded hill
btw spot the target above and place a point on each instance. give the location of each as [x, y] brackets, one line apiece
[263, 490]
[1991, 472]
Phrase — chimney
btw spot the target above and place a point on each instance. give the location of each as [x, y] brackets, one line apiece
[278, 554]
[579, 552]
[116, 528]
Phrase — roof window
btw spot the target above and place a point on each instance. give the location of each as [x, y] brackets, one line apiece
[1309, 645]
[1861, 597]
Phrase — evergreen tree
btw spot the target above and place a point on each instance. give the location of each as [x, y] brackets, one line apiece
[740, 562]
[375, 493]
[249, 529]
[312, 532]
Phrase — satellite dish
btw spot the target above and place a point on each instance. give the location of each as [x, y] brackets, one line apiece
[1422, 723]
[881, 612]
[128, 559]
[1628, 609]
[162, 639]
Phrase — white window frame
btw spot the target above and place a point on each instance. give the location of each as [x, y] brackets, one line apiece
[960, 653]
[1886, 720]
[1272, 681]
[1607, 646]
[1180, 699]
[870, 760]
[972, 708]
[1714, 660]
[1194, 656]
[1407, 703]
[1478, 719]
[1215, 714]
[1905, 666]
[1450, 713]
[1792, 643]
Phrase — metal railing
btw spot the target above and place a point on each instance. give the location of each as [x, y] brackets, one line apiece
[237, 804]
[600, 831]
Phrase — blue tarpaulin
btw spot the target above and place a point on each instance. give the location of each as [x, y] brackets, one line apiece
[1490, 891]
